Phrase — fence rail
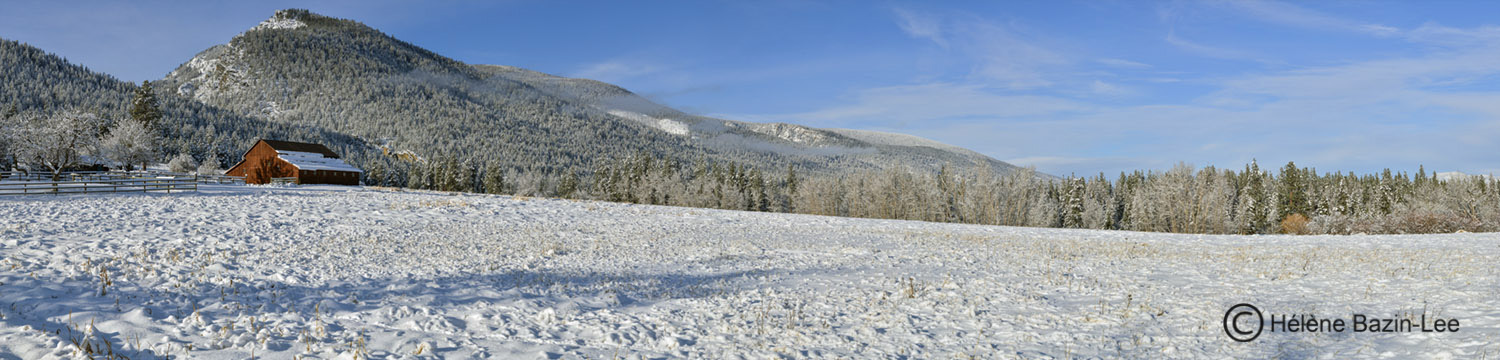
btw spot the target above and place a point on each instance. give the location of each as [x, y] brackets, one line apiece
[117, 175]
[166, 184]
[220, 179]
[80, 182]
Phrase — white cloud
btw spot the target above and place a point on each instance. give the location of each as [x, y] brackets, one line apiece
[1108, 89]
[615, 71]
[1009, 58]
[1292, 15]
[1122, 63]
[921, 26]
[1431, 33]
[904, 106]
[1210, 51]
[1000, 54]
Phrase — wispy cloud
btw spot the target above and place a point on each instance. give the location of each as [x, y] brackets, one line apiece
[615, 71]
[1099, 87]
[918, 105]
[1122, 63]
[997, 53]
[1209, 51]
[1430, 33]
[1009, 58]
[1293, 15]
[921, 26]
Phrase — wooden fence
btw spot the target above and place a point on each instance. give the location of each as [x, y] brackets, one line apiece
[166, 184]
[78, 182]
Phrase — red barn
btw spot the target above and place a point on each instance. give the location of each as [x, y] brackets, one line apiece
[308, 163]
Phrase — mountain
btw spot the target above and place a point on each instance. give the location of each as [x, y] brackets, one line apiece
[35, 82]
[307, 70]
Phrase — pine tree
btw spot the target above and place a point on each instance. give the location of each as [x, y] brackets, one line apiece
[494, 179]
[1421, 176]
[1255, 203]
[1293, 190]
[567, 186]
[1072, 201]
[762, 200]
[791, 189]
[144, 107]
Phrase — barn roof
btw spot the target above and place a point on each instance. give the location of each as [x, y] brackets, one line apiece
[315, 161]
[301, 147]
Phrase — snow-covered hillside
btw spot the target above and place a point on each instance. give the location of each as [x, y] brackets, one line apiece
[335, 272]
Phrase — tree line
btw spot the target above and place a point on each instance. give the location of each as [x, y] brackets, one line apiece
[1184, 199]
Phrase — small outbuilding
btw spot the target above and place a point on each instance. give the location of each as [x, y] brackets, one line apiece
[304, 162]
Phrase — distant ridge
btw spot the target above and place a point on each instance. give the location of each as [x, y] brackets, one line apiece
[382, 102]
[302, 68]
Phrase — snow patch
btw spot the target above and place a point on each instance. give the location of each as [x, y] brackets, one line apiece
[279, 23]
[630, 115]
[793, 133]
[673, 127]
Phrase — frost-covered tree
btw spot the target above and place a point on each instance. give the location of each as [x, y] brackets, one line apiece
[58, 142]
[1098, 204]
[8, 129]
[182, 163]
[1073, 198]
[129, 143]
[210, 166]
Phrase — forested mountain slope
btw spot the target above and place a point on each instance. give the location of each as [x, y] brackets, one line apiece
[33, 82]
[304, 69]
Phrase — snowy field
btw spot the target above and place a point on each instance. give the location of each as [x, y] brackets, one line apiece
[339, 272]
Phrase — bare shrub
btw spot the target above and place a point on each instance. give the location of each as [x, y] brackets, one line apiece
[1295, 224]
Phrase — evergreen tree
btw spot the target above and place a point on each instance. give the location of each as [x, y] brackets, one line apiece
[568, 186]
[494, 179]
[791, 189]
[1421, 176]
[1072, 201]
[1293, 190]
[1254, 203]
[144, 107]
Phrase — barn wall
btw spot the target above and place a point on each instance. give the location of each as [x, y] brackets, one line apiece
[253, 158]
[327, 177]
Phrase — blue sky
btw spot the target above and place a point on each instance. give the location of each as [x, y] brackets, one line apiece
[1069, 87]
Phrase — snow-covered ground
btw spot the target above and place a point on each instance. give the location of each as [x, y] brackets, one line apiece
[339, 272]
